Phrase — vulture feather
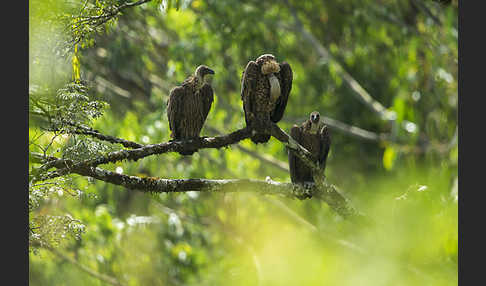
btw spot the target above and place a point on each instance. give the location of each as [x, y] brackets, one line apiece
[265, 89]
[315, 137]
[188, 106]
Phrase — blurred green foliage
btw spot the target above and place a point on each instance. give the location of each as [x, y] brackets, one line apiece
[403, 53]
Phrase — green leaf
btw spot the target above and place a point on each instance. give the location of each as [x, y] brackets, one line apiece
[76, 65]
[389, 158]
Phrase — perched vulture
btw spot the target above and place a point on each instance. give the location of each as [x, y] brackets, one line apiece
[265, 90]
[189, 104]
[314, 136]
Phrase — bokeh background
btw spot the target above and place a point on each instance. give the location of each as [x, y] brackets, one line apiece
[398, 166]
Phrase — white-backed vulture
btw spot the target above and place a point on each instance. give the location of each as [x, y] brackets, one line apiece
[189, 104]
[265, 89]
[313, 135]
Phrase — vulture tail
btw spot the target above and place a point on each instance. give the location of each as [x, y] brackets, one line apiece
[260, 138]
[187, 152]
[184, 152]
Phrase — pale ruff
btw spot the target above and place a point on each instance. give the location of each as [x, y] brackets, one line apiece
[274, 87]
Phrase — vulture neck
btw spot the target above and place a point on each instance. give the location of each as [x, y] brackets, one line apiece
[199, 81]
[274, 87]
[314, 128]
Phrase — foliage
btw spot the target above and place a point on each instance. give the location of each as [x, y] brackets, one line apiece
[110, 64]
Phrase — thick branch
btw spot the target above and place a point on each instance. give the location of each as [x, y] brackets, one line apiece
[295, 147]
[152, 149]
[157, 185]
[325, 191]
[321, 189]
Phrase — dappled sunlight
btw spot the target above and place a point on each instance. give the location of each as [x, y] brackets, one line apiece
[413, 241]
[113, 202]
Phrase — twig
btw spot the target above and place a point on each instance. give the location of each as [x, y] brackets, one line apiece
[427, 11]
[312, 228]
[359, 91]
[99, 20]
[102, 277]
[352, 130]
[262, 157]
[81, 130]
[266, 159]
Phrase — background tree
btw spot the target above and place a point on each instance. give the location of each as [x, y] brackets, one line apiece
[383, 75]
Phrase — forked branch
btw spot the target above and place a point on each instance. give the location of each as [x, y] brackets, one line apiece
[321, 189]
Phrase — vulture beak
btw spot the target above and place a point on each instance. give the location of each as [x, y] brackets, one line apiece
[208, 75]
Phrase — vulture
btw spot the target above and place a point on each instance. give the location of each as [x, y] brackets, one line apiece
[314, 136]
[265, 89]
[189, 104]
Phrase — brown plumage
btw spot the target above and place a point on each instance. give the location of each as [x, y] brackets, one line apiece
[265, 89]
[189, 104]
[313, 135]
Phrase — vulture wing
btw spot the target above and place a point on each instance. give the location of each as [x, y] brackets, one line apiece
[325, 145]
[207, 99]
[296, 134]
[174, 110]
[285, 80]
[248, 85]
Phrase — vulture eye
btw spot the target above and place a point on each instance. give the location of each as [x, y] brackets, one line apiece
[209, 71]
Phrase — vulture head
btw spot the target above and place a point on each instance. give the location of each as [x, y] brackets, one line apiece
[268, 63]
[204, 74]
[314, 119]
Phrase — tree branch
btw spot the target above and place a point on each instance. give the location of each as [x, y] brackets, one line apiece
[352, 130]
[324, 191]
[152, 149]
[97, 134]
[266, 159]
[333, 123]
[321, 189]
[157, 185]
[427, 11]
[359, 91]
[102, 277]
[98, 20]
[312, 228]
[111, 14]
[262, 157]
[327, 192]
